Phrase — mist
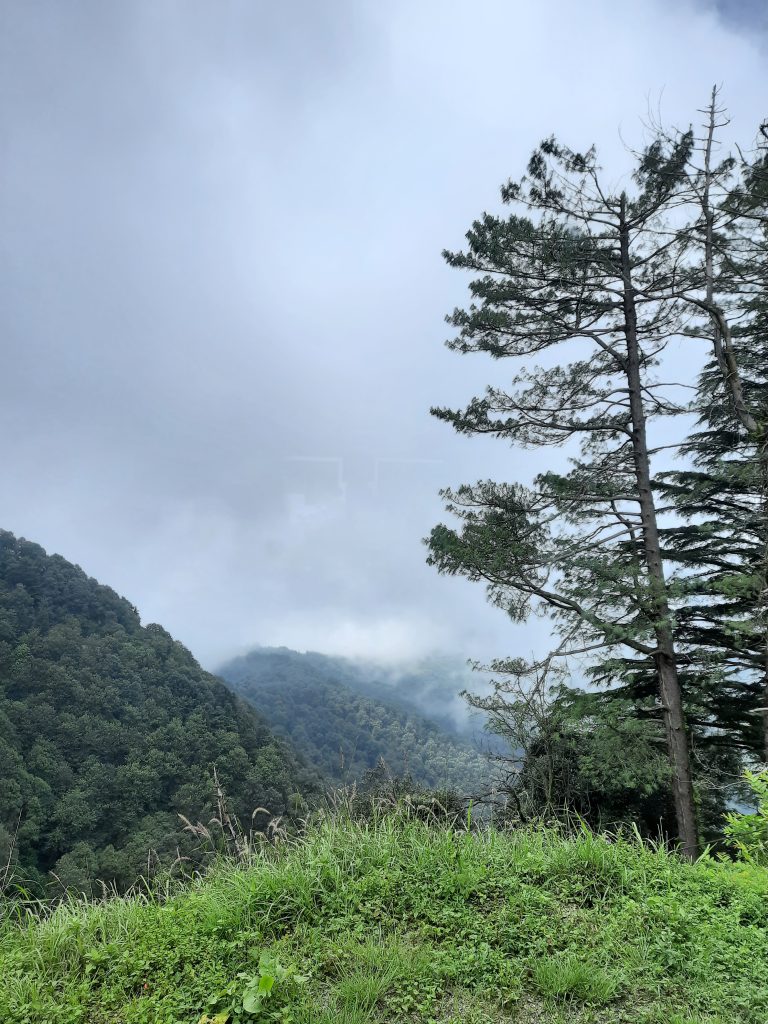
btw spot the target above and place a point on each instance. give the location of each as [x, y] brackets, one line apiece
[222, 295]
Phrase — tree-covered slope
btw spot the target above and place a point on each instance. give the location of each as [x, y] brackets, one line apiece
[345, 720]
[109, 730]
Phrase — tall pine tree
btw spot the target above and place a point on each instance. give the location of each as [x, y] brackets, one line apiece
[585, 275]
[720, 542]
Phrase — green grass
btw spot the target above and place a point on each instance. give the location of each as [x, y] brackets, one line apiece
[396, 921]
[566, 976]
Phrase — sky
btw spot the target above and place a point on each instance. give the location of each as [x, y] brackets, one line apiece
[222, 295]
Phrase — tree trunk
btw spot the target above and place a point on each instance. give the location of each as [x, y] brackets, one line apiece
[665, 657]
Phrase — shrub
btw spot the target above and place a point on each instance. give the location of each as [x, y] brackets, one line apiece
[747, 834]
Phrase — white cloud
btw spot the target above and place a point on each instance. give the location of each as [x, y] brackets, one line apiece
[222, 235]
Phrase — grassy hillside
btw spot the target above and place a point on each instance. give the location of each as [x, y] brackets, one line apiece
[110, 729]
[397, 921]
[345, 719]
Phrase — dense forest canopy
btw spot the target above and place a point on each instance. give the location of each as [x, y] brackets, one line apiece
[109, 730]
[345, 719]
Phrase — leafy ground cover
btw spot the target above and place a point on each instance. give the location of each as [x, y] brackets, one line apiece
[397, 921]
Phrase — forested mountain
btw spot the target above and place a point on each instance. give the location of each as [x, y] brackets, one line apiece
[110, 729]
[345, 717]
[431, 687]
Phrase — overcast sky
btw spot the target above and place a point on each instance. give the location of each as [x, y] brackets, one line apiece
[222, 295]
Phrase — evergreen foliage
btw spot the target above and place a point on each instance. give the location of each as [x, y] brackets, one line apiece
[716, 539]
[720, 540]
[577, 265]
[109, 730]
[657, 582]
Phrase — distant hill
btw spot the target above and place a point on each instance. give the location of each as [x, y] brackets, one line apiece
[110, 729]
[345, 717]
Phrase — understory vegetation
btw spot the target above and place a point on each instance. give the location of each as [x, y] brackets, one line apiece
[397, 919]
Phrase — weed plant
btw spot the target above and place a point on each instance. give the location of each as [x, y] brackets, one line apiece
[397, 920]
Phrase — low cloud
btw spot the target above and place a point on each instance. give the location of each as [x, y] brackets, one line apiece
[222, 294]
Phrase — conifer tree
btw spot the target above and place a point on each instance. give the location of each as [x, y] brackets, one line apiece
[736, 261]
[720, 542]
[717, 549]
[588, 278]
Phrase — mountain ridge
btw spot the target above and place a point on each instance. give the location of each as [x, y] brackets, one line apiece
[346, 721]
